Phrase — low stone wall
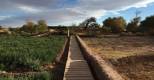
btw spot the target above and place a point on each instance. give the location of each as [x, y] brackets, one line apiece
[101, 69]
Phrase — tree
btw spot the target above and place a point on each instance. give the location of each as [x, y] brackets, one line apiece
[28, 27]
[0, 27]
[147, 25]
[42, 26]
[94, 25]
[115, 24]
[31, 27]
[108, 23]
[87, 22]
[90, 25]
[93, 29]
[133, 25]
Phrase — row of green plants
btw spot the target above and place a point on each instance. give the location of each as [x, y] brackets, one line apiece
[19, 53]
[40, 76]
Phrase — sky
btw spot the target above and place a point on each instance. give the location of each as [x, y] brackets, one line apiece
[14, 13]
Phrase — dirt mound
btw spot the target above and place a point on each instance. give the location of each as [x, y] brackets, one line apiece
[135, 67]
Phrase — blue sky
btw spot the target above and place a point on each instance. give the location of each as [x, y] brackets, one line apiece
[66, 12]
[130, 13]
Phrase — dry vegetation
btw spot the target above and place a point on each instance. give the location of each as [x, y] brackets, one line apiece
[131, 56]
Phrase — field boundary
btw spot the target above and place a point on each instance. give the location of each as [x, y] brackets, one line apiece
[100, 68]
[20, 74]
[67, 56]
[61, 61]
[62, 52]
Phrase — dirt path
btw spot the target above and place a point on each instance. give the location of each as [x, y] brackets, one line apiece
[76, 66]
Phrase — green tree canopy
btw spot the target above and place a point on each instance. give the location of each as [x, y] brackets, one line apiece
[147, 25]
[31, 27]
[133, 25]
[28, 27]
[115, 24]
[42, 26]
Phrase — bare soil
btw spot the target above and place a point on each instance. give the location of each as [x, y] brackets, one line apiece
[133, 57]
[135, 67]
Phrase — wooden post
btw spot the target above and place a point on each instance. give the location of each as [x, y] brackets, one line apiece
[68, 33]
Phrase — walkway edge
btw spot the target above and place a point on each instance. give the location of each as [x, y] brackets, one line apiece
[61, 58]
[67, 57]
[101, 69]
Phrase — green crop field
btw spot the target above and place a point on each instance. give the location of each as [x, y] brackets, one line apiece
[41, 76]
[28, 53]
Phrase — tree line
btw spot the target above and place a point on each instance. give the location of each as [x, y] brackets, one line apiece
[119, 24]
[31, 27]
[110, 25]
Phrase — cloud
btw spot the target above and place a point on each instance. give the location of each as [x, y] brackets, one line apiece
[62, 11]
[29, 9]
[143, 3]
[4, 17]
[139, 4]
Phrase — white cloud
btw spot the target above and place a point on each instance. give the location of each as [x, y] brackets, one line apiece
[29, 9]
[112, 6]
[4, 17]
[143, 3]
[64, 14]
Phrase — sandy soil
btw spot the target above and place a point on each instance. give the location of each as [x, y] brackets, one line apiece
[133, 57]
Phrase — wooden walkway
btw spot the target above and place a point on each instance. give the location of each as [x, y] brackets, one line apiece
[76, 66]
